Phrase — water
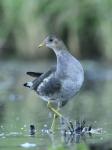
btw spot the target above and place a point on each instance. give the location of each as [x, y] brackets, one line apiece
[20, 107]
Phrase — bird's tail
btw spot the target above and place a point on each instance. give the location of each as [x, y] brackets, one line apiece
[28, 84]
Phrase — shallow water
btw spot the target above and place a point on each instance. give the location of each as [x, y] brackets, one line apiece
[20, 107]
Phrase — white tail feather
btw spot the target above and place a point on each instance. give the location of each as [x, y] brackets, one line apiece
[29, 84]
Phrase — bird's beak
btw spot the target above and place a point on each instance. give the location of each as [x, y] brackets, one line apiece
[41, 44]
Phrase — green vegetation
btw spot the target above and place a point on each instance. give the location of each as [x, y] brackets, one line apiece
[85, 26]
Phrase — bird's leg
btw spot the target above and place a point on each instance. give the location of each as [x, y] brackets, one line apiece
[54, 118]
[53, 122]
[53, 109]
[56, 114]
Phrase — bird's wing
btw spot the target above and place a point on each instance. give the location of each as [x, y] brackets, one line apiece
[34, 74]
[39, 79]
[51, 87]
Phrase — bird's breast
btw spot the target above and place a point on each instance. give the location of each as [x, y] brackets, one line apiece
[74, 79]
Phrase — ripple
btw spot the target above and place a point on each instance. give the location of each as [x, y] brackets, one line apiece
[28, 145]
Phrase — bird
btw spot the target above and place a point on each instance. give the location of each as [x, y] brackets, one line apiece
[62, 81]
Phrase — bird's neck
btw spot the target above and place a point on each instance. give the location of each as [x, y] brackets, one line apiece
[62, 61]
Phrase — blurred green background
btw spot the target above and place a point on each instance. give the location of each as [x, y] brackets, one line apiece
[86, 28]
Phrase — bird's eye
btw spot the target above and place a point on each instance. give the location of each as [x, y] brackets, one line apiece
[50, 40]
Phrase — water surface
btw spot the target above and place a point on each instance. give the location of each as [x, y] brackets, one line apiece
[20, 107]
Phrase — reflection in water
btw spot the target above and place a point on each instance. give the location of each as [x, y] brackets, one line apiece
[32, 130]
[77, 132]
[20, 108]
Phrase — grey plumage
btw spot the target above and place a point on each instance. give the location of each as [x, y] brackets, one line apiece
[62, 81]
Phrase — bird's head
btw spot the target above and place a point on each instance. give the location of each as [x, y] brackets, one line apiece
[53, 42]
